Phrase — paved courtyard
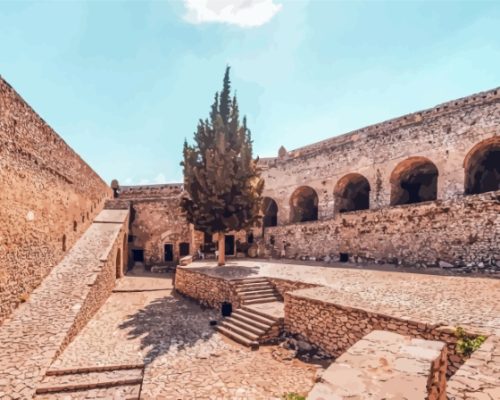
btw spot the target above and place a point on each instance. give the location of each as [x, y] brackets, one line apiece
[184, 358]
[442, 300]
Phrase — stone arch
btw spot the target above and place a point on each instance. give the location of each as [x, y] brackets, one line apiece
[270, 210]
[119, 264]
[414, 180]
[304, 205]
[482, 167]
[352, 193]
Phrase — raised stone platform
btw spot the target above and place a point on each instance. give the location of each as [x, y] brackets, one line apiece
[386, 365]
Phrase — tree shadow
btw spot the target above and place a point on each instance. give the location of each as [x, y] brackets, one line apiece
[230, 271]
[167, 323]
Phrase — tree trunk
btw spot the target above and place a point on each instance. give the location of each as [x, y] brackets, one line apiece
[222, 249]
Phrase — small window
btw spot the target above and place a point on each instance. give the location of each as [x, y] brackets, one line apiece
[75, 226]
[344, 257]
[64, 243]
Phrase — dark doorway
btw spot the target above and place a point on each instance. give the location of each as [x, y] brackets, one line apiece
[138, 255]
[183, 249]
[270, 209]
[344, 257]
[207, 238]
[229, 240]
[169, 252]
[250, 238]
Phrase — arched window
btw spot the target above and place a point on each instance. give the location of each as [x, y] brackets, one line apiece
[270, 210]
[414, 180]
[352, 193]
[304, 205]
[482, 167]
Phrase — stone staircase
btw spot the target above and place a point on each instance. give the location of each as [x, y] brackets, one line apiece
[246, 325]
[92, 382]
[255, 291]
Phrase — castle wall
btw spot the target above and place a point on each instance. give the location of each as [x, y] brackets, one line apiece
[49, 197]
[444, 135]
[458, 228]
[464, 231]
[156, 220]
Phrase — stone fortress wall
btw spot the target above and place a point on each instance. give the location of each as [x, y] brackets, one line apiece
[408, 190]
[157, 224]
[49, 198]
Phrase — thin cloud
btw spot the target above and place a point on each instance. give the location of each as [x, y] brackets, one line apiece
[243, 13]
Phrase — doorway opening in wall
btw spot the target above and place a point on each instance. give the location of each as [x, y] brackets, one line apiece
[183, 249]
[138, 255]
[344, 257]
[229, 241]
[169, 252]
[250, 238]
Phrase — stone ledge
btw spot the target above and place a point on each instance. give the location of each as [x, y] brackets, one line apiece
[385, 364]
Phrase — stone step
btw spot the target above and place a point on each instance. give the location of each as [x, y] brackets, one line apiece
[257, 313]
[127, 392]
[251, 314]
[237, 338]
[251, 321]
[89, 380]
[240, 331]
[267, 299]
[257, 294]
[249, 280]
[246, 326]
[252, 287]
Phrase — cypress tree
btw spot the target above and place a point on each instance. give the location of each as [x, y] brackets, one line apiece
[221, 179]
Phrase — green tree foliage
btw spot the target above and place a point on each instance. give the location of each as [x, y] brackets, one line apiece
[221, 179]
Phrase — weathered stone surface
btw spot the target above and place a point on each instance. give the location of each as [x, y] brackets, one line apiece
[59, 308]
[386, 365]
[49, 198]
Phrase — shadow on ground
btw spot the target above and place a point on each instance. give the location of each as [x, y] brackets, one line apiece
[169, 322]
[230, 270]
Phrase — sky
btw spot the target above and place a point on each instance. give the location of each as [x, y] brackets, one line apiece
[124, 83]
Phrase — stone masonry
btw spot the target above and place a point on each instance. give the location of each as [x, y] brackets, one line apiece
[49, 198]
[39, 330]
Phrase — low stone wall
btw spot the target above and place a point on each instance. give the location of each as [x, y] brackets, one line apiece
[334, 328]
[208, 290]
[459, 233]
[386, 365]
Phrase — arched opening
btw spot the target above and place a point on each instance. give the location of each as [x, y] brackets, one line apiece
[482, 167]
[304, 205]
[352, 193]
[270, 209]
[118, 264]
[414, 180]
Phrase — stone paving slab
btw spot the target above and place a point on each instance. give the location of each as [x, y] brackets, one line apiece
[275, 309]
[112, 216]
[429, 298]
[32, 336]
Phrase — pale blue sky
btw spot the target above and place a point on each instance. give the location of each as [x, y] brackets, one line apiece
[125, 82]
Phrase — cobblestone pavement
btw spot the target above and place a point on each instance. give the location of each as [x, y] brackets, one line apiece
[185, 358]
[434, 299]
[31, 337]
